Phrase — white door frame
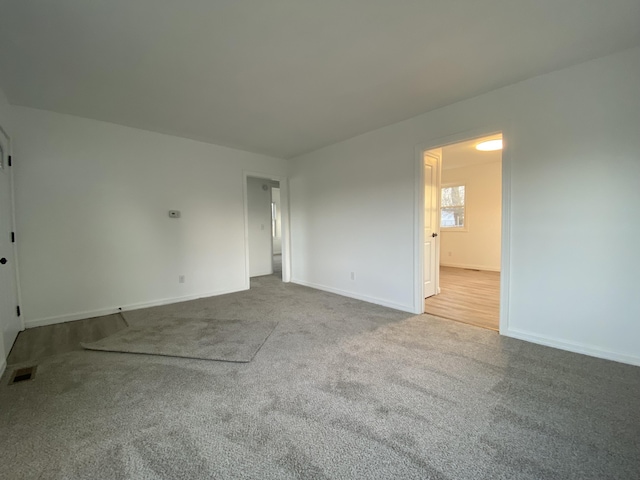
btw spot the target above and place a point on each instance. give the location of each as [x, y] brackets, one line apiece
[16, 270]
[419, 205]
[284, 222]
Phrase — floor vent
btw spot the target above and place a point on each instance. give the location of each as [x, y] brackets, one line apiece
[23, 374]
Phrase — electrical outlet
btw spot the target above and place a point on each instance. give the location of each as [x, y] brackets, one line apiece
[180, 278]
[353, 275]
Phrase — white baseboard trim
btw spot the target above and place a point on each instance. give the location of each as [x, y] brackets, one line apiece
[357, 296]
[470, 267]
[39, 322]
[572, 347]
[3, 366]
[262, 273]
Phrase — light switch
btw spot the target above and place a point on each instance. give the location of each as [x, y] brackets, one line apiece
[174, 213]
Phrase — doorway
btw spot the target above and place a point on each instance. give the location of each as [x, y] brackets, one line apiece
[266, 227]
[10, 321]
[462, 238]
[276, 229]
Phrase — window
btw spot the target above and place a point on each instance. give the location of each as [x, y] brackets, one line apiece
[452, 207]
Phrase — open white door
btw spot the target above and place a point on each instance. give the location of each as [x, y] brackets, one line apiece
[259, 226]
[431, 192]
[9, 320]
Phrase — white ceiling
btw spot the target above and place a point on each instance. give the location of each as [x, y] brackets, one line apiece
[284, 77]
[465, 154]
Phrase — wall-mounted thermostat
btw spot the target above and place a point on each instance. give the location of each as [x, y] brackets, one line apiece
[174, 213]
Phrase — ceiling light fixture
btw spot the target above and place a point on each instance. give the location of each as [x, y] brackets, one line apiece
[490, 145]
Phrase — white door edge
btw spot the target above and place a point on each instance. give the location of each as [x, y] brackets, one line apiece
[14, 323]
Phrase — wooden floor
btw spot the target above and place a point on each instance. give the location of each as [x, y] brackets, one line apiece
[467, 296]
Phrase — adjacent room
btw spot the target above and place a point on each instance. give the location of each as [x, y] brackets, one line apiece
[264, 227]
[468, 246]
[247, 239]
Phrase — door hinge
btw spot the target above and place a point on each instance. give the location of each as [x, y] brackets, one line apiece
[10, 160]
[13, 237]
[18, 310]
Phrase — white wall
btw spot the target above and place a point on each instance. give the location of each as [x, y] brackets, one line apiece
[277, 239]
[478, 245]
[92, 216]
[259, 228]
[573, 143]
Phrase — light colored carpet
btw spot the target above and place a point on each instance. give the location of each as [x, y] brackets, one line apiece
[277, 265]
[37, 343]
[203, 338]
[342, 389]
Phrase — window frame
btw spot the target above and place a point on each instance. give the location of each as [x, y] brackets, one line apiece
[465, 227]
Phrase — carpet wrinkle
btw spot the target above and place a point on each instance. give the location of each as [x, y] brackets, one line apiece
[290, 406]
[342, 450]
[552, 436]
[559, 441]
[383, 411]
[554, 449]
[254, 436]
[154, 450]
[442, 375]
[196, 338]
[515, 420]
[561, 382]
[404, 439]
[258, 437]
[535, 393]
[339, 387]
[301, 465]
[364, 432]
[45, 342]
[348, 390]
[509, 420]
[482, 364]
[409, 414]
[112, 464]
[402, 382]
[513, 456]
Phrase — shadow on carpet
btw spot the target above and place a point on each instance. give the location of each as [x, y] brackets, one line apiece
[200, 338]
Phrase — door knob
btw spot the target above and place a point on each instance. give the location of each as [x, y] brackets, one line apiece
[434, 235]
[3, 260]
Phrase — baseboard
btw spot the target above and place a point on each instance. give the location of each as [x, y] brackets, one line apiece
[357, 296]
[572, 347]
[261, 273]
[39, 322]
[3, 366]
[471, 267]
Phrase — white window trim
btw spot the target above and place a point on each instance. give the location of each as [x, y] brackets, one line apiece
[465, 228]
